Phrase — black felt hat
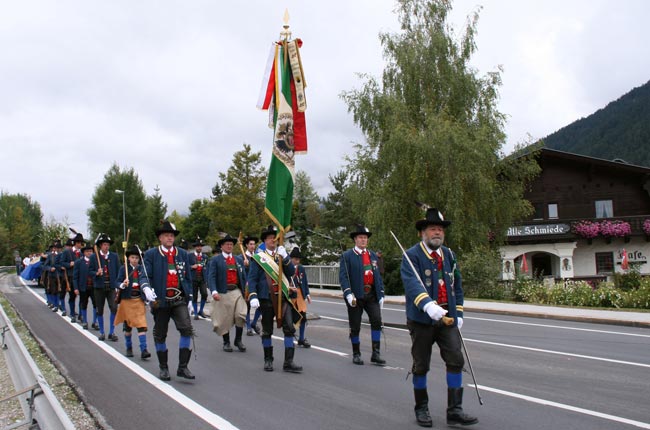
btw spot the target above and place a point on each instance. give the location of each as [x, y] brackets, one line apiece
[103, 237]
[198, 242]
[227, 238]
[360, 229]
[132, 251]
[433, 217]
[295, 253]
[270, 230]
[167, 227]
[85, 247]
[57, 244]
[69, 242]
[78, 238]
[249, 238]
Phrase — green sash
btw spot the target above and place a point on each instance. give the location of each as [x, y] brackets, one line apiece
[270, 267]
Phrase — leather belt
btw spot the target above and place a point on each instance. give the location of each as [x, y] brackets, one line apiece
[231, 287]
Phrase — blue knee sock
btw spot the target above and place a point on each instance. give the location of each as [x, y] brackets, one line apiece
[420, 382]
[375, 335]
[267, 342]
[100, 320]
[184, 342]
[143, 341]
[84, 318]
[454, 380]
[111, 323]
[288, 341]
[94, 315]
[161, 347]
[303, 325]
[195, 306]
[355, 340]
[202, 306]
[127, 340]
[256, 316]
[248, 320]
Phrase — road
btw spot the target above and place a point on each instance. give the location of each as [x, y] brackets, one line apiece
[532, 373]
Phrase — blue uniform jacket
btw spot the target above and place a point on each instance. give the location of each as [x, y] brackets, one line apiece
[67, 257]
[81, 271]
[155, 265]
[193, 260]
[257, 285]
[417, 297]
[217, 272]
[113, 264]
[351, 275]
[300, 281]
[126, 292]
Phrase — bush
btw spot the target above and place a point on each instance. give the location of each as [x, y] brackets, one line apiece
[392, 279]
[480, 270]
[528, 290]
[628, 281]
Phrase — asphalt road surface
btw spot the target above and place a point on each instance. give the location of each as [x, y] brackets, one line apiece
[532, 374]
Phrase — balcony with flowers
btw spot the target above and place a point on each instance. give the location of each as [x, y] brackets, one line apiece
[607, 228]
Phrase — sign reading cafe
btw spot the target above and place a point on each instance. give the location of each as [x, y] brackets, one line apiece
[534, 230]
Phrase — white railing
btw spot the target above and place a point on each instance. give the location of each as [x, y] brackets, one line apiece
[323, 276]
[37, 400]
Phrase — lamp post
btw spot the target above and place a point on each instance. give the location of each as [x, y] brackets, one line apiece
[123, 217]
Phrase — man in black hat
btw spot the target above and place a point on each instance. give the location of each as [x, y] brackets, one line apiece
[264, 292]
[198, 263]
[53, 276]
[363, 289]
[105, 267]
[71, 253]
[251, 326]
[299, 281]
[84, 283]
[131, 311]
[426, 307]
[167, 268]
[227, 280]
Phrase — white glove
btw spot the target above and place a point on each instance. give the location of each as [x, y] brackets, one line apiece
[459, 324]
[255, 303]
[350, 299]
[381, 303]
[149, 294]
[435, 312]
[282, 251]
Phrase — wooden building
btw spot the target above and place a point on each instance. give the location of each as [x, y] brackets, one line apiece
[588, 213]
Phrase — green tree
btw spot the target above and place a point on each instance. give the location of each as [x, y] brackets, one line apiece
[105, 215]
[53, 230]
[433, 134]
[197, 222]
[305, 213]
[23, 221]
[156, 212]
[240, 207]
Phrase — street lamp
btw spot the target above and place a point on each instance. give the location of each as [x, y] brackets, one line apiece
[123, 216]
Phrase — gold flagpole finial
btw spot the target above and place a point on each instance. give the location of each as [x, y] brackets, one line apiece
[285, 33]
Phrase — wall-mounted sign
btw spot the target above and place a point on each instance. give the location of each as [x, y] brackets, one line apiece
[535, 230]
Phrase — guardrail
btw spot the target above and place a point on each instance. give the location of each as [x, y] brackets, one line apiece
[323, 276]
[37, 400]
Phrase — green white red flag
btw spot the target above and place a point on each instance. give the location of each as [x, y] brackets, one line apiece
[284, 97]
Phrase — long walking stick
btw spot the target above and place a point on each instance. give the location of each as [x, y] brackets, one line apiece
[471, 370]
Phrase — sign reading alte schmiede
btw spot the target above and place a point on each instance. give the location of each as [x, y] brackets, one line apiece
[535, 230]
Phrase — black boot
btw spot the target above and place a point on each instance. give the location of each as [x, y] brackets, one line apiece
[422, 407]
[183, 359]
[162, 363]
[238, 343]
[376, 355]
[129, 352]
[356, 354]
[455, 414]
[268, 358]
[226, 343]
[289, 365]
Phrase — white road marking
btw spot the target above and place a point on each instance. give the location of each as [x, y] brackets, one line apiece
[331, 351]
[566, 407]
[514, 322]
[208, 416]
[526, 348]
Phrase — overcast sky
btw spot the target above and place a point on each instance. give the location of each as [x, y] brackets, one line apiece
[169, 87]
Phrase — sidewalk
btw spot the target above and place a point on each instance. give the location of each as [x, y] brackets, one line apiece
[632, 319]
